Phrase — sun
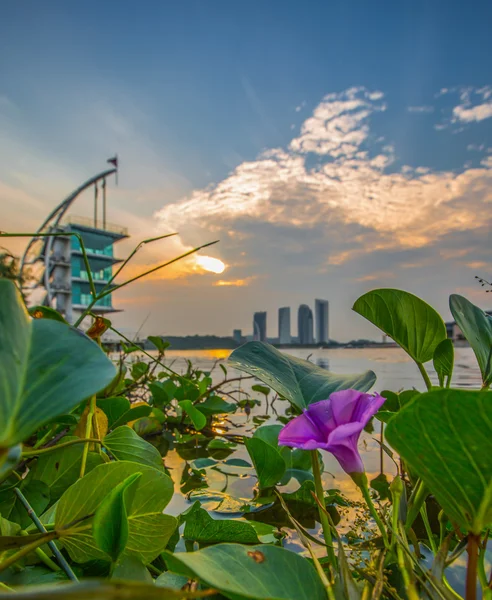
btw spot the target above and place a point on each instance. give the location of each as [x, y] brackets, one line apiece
[208, 263]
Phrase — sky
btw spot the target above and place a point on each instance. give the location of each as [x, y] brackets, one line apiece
[331, 148]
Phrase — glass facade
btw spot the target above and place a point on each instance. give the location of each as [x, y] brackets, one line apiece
[79, 270]
[108, 251]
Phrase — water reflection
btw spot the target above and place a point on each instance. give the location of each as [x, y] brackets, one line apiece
[323, 362]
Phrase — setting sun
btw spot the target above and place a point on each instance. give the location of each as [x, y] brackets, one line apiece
[208, 263]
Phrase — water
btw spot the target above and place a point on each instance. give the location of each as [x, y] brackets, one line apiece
[394, 369]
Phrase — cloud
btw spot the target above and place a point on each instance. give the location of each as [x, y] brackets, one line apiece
[420, 109]
[234, 282]
[333, 176]
[476, 105]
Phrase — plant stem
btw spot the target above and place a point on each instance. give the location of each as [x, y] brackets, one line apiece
[41, 554]
[88, 431]
[52, 546]
[325, 524]
[5, 587]
[361, 480]
[425, 376]
[11, 560]
[30, 453]
[428, 530]
[471, 569]
[412, 593]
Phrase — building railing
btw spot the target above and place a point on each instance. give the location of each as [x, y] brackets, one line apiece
[88, 222]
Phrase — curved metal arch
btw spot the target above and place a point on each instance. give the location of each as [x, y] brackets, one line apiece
[51, 222]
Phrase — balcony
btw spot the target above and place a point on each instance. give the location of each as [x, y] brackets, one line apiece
[89, 224]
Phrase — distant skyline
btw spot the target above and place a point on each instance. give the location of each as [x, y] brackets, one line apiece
[331, 147]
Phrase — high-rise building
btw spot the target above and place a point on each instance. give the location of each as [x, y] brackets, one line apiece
[284, 325]
[321, 313]
[237, 336]
[305, 325]
[260, 326]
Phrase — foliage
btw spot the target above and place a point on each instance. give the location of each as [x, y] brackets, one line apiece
[84, 479]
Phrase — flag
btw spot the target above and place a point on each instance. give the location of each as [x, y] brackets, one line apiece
[113, 161]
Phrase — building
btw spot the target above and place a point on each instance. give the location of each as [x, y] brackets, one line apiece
[321, 315]
[59, 272]
[260, 326]
[284, 336]
[237, 336]
[305, 325]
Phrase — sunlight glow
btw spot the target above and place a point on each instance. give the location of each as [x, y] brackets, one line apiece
[208, 263]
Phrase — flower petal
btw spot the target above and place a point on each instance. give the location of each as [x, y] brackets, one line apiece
[321, 414]
[301, 432]
[345, 403]
[367, 407]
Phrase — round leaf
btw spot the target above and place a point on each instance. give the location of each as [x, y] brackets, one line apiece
[408, 320]
[445, 436]
[260, 572]
[46, 368]
[125, 444]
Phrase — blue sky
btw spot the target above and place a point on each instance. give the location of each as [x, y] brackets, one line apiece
[328, 145]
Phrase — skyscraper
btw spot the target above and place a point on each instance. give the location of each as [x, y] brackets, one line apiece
[321, 314]
[260, 326]
[237, 336]
[305, 324]
[284, 325]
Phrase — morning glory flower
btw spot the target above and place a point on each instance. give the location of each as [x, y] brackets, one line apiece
[334, 425]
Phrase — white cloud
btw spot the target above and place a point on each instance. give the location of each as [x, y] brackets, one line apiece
[473, 108]
[347, 186]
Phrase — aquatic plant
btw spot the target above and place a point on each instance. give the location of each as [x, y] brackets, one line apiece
[83, 493]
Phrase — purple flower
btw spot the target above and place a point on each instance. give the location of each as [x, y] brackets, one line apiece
[334, 425]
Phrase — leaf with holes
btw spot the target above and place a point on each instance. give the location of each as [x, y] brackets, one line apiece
[476, 326]
[46, 368]
[299, 381]
[260, 572]
[408, 320]
[149, 529]
[445, 436]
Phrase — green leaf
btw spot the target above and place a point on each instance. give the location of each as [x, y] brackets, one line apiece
[260, 572]
[45, 312]
[148, 528]
[299, 381]
[37, 494]
[269, 434]
[223, 503]
[238, 462]
[269, 464]
[114, 408]
[139, 369]
[158, 342]
[159, 394]
[262, 389]
[46, 368]
[215, 405]
[443, 360]
[143, 410]
[110, 524]
[61, 468]
[8, 528]
[130, 568]
[408, 320]
[202, 528]
[445, 436]
[198, 419]
[125, 444]
[476, 326]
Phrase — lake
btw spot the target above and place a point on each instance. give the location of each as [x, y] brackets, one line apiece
[395, 371]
